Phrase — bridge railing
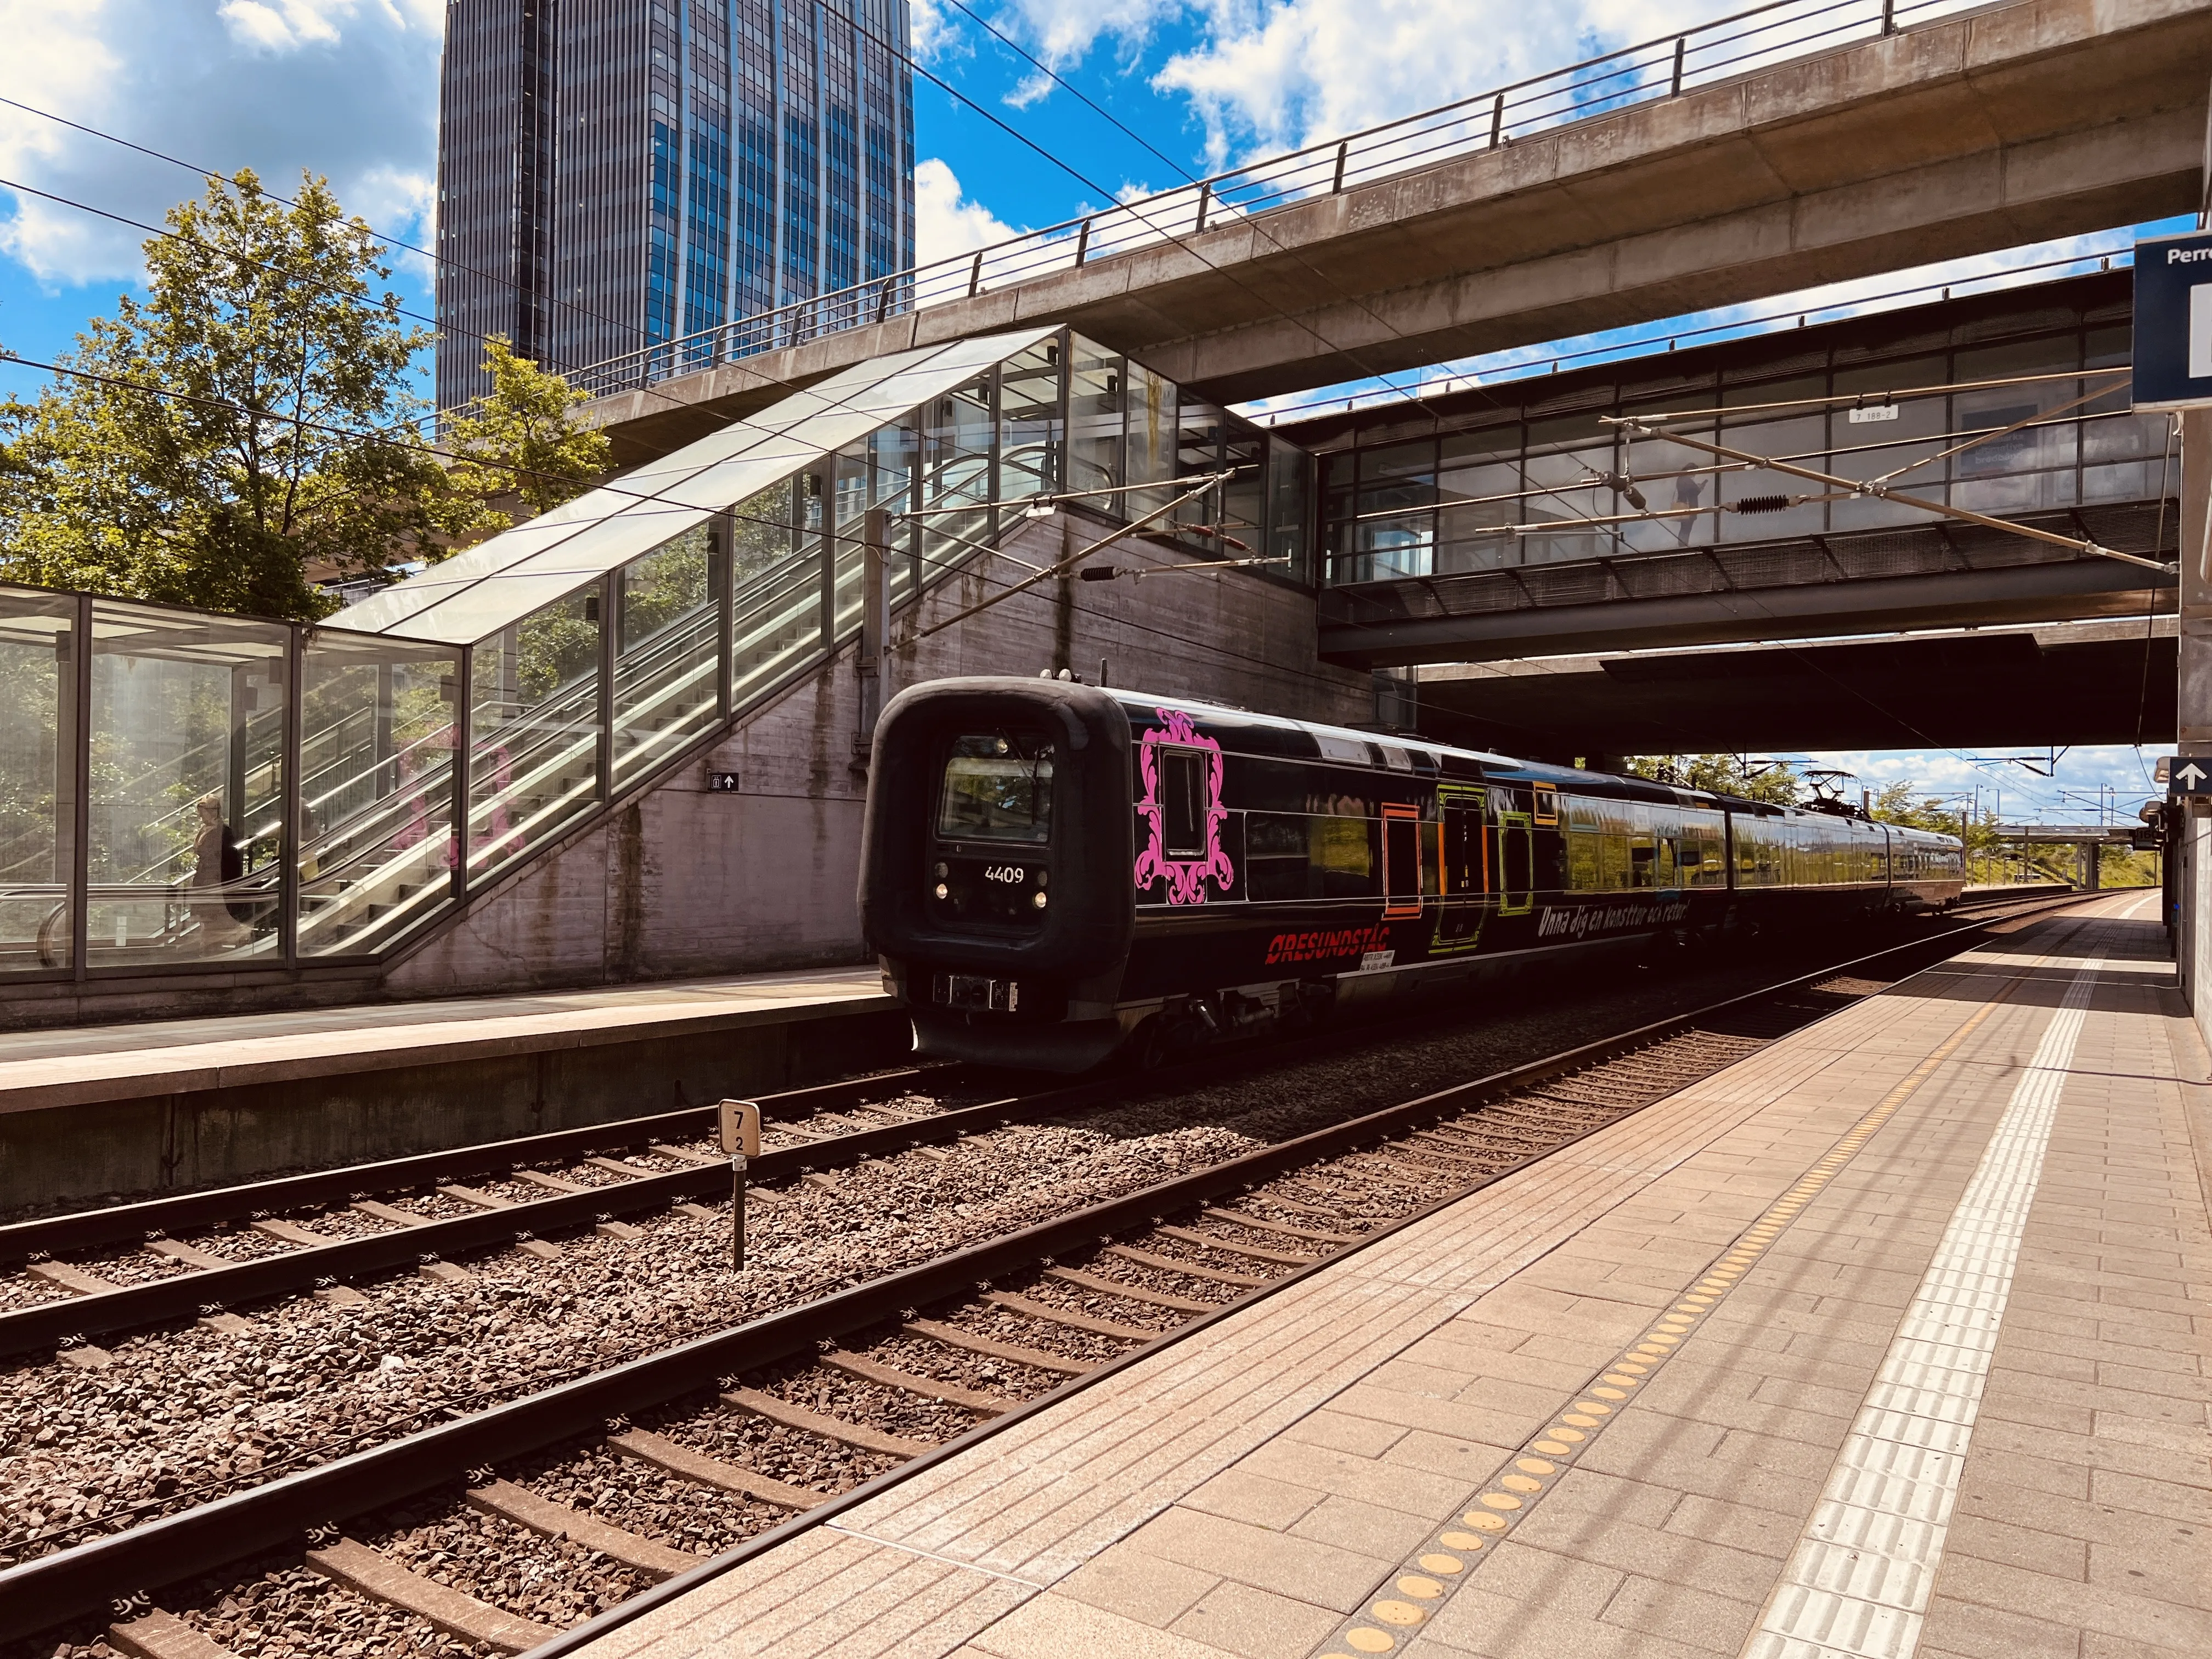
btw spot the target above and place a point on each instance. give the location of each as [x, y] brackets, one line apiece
[1664, 67]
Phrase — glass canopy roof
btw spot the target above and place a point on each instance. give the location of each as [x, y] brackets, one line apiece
[498, 582]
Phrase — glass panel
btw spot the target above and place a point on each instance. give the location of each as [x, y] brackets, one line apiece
[534, 732]
[1028, 422]
[955, 468]
[37, 776]
[376, 789]
[2023, 470]
[1675, 481]
[1243, 498]
[1152, 453]
[1866, 442]
[1290, 503]
[895, 460]
[1784, 435]
[1197, 451]
[187, 800]
[666, 662]
[1559, 490]
[1094, 419]
[1480, 485]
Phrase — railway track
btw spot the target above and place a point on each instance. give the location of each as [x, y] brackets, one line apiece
[80, 1277]
[665, 1468]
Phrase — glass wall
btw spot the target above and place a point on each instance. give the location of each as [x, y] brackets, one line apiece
[1554, 489]
[377, 842]
[187, 800]
[38, 653]
[202, 789]
[667, 680]
[534, 732]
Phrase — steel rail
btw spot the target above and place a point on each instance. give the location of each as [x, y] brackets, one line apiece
[186, 1295]
[127, 1224]
[82, 1579]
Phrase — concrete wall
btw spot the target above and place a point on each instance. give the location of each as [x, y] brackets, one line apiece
[683, 882]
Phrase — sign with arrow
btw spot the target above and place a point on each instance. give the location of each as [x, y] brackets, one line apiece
[2185, 776]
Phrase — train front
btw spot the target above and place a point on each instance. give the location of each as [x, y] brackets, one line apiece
[994, 868]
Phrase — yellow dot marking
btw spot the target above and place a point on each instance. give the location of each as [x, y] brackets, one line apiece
[1694, 1303]
[1619, 1381]
[1399, 1612]
[1660, 1339]
[1370, 1641]
[1446, 1565]
[1498, 1500]
[1580, 1422]
[1458, 1540]
[1593, 1408]
[1654, 1354]
[1558, 1448]
[1566, 1434]
[1520, 1483]
[1485, 1522]
[1421, 1590]
[1535, 1465]
[1610, 1393]
[1633, 1369]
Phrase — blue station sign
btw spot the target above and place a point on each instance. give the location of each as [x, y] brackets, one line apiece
[2174, 322]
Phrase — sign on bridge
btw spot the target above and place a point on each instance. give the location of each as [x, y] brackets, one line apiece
[2174, 322]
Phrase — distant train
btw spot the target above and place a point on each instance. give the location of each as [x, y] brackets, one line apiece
[1053, 873]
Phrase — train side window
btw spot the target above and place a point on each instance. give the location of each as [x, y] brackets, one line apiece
[1275, 864]
[1463, 838]
[1401, 861]
[1182, 802]
[1342, 856]
[1518, 842]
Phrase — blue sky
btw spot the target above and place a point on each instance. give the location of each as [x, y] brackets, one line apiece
[349, 88]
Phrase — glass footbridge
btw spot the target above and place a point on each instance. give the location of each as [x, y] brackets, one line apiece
[181, 790]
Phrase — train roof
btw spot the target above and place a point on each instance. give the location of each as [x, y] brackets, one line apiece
[1415, 753]
[1416, 747]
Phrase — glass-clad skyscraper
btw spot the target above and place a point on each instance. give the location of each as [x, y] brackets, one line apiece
[615, 175]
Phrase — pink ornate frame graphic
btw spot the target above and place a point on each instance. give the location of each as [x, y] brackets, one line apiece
[1186, 877]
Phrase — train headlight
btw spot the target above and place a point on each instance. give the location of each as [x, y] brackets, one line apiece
[943, 891]
[1038, 901]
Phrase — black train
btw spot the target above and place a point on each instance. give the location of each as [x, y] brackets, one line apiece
[1273, 870]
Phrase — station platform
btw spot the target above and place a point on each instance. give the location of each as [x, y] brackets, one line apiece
[131, 1109]
[1890, 1339]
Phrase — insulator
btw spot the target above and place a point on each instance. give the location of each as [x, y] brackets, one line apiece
[1760, 504]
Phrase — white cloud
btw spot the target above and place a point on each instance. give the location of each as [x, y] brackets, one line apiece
[1295, 73]
[947, 222]
[344, 88]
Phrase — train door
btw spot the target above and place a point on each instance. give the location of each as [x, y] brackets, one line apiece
[1466, 869]
[1516, 858]
[1401, 861]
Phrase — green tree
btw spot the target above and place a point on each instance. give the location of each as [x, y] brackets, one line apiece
[243, 429]
[522, 441]
[1744, 776]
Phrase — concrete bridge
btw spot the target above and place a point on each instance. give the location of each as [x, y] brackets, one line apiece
[2007, 124]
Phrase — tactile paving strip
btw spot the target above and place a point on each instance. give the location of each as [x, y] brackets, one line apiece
[1859, 1585]
[1453, 1553]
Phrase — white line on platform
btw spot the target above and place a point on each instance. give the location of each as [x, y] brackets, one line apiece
[1858, 1586]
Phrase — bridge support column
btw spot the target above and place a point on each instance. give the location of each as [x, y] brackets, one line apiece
[2193, 712]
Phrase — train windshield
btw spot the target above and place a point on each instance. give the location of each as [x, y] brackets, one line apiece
[997, 788]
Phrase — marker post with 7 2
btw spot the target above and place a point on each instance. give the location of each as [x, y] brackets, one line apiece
[741, 1127]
